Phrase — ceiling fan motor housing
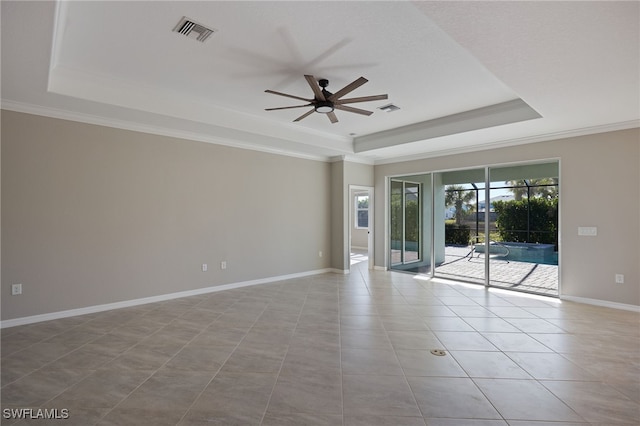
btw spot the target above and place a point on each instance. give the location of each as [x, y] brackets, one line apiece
[324, 107]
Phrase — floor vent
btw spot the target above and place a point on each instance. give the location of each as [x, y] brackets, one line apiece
[193, 30]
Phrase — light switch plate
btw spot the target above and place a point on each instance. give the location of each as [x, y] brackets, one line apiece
[587, 231]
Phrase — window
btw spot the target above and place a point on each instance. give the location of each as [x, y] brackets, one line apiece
[362, 211]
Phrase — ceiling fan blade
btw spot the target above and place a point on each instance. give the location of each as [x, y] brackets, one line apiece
[362, 99]
[315, 87]
[348, 88]
[352, 109]
[287, 107]
[288, 96]
[305, 115]
[332, 117]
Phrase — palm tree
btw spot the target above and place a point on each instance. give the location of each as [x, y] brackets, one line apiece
[459, 197]
[519, 188]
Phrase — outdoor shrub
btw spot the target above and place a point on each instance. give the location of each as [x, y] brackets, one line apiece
[535, 221]
[456, 234]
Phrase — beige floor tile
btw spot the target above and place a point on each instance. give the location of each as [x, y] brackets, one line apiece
[596, 402]
[334, 349]
[466, 422]
[435, 311]
[378, 395]
[218, 335]
[451, 397]
[311, 359]
[534, 325]
[141, 417]
[530, 423]
[402, 323]
[414, 339]
[472, 311]
[447, 324]
[200, 358]
[139, 358]
[515, 342]
[370, 361]
[233, 398]
[78, 416]
[464, 341]
[309, 393]
[417, 362]
[365, 420]
[297, 419]
[511, 312]
[489, 365]
[497, 325]
[173, 390]
[550, 366]
[256, 358]
[365, 339]
[361, 322]
[102, 389]
[514, 399]
[40, 386]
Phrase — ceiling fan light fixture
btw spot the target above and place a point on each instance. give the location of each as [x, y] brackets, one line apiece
[324, 107]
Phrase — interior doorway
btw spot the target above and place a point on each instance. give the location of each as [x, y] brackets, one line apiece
[361, 226]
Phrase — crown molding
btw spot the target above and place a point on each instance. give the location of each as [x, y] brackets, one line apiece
[26, 108]
[584, 131]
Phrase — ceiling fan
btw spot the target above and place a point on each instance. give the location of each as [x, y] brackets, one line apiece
[325, 102]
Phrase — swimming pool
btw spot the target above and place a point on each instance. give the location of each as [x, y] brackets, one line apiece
[522, 252]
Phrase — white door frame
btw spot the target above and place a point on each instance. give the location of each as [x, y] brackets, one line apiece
[370, 192]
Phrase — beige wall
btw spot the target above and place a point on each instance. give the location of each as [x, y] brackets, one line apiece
[93, 215]
[337, 216]
[599, 177]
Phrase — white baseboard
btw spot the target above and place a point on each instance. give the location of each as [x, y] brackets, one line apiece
[160, 298]
[604, 303]
[379, 268]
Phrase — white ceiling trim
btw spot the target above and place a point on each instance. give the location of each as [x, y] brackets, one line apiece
[154, 130]
[481, 118]
[101, 89]
[354, 158]
[631, 124]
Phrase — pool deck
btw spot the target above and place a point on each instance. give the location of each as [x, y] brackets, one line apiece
[514, 275]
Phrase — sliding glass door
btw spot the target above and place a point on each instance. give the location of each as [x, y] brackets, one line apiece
[494, 226]
[523, 250]
[407, 224]
[460, 194]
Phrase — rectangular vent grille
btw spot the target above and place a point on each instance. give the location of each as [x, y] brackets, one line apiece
[193, 30]
[389, 108]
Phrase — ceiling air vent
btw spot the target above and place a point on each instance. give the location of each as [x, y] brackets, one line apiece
[389, 108]
[193, 30]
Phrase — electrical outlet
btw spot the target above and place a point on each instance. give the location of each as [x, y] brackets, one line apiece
[320, 254]
[223, 264]
[204, 267]
[619, 279]
[16, 289]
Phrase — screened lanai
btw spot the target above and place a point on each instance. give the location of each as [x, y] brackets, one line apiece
[494, 226]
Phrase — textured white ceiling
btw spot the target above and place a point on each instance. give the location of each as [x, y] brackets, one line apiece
[119, 63]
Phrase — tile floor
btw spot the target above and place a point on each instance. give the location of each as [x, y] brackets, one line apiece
[331, 350]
